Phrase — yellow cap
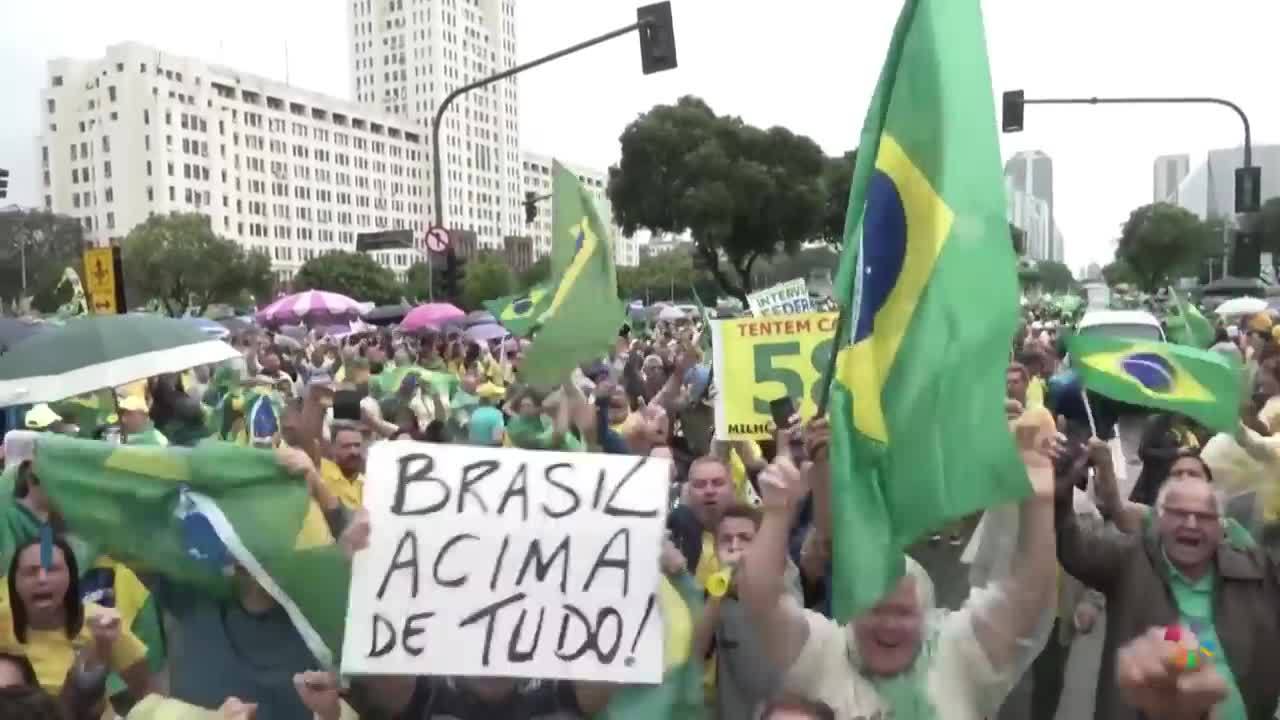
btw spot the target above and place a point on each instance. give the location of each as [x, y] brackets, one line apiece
[40, 417]
[491, 391]
[1260, 322]
[133, 403]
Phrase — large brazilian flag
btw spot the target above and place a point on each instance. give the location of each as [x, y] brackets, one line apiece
[929, 294]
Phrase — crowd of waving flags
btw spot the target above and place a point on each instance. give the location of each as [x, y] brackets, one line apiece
[929, 301]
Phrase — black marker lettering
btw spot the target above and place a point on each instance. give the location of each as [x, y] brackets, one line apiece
[472, 474]
[497, 565]
[408, 540]
[444, 550]
[587, 642]
[622, 563]
[615, 511]
[607, 613]
[514, 653]
[413, 469]
[374, 649]
[542, 567]
[489, 613]
[412, 630]
[599, 494]
[575, 501]
[517, 488]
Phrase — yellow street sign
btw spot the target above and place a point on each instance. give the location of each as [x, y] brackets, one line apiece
[100, 280]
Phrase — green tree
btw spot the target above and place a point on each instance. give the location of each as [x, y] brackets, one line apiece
[417, 281]
[1055, 277]
[538, 272]
[179, 260]
[837, 177]
[51, 244]
[1161, 240]
[744, 193]
[1118, 272]
[356, 275]
[488, 276]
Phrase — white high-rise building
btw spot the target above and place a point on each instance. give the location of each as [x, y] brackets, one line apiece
[537, 180]
[1030, 173]
[1031, 215]
[407, 55]
[293, 173]
[1167, 173]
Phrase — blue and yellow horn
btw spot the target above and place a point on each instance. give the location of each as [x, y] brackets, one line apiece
[718, 584]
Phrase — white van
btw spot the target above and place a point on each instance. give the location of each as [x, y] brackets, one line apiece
[1136, 324]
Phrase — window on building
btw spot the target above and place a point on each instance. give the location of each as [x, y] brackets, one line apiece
[75, 200]
[146, 117]
[151, 194]
[111, 221]
[168, 117]
[106, 170]
[148, 168]
[56, 81]
[75, 176]
[106, 143]
[51, 106]
[110, 196]
[172, 194]
[84, 149]
[111, 93]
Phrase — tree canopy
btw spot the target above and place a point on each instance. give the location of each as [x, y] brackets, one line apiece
[837, 179]
[1055, 277]
[744, 193]
[538, 272]
[488, 276]
[668, 276]
[1161, 240]
[51, 244]
[355, 275]
[179, 260]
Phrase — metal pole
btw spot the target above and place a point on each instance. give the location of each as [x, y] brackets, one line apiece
[448, 100]
[22, 255]
[1244, 119]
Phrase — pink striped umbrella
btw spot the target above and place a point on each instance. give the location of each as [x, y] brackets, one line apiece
[431, 316]
[309, 306]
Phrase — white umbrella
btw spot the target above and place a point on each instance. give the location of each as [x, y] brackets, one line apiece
[671, 312]
[1235, 307]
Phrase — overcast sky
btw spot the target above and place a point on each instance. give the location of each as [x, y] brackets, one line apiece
[810, 65]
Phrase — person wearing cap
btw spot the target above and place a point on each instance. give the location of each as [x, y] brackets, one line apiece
[135, 423]
[487, 425]
[42, 418]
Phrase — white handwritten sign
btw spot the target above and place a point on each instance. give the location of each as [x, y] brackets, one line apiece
[496, 561]
[788, 298]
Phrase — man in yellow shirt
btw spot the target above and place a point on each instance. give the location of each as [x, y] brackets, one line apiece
[344, 474]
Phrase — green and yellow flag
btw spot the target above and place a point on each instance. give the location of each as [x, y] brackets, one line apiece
[680, 695]
[1187, 326]
[191, 513]
[519, 313]
[582, 319]
[929, 299]
[1202, 384]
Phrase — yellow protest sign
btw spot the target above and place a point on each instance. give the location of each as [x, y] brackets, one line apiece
[100, 279]
[760, 359]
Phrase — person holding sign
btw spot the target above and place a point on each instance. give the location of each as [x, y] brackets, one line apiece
[455, 698]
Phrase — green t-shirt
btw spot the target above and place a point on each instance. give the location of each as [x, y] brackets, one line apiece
[1195, 607]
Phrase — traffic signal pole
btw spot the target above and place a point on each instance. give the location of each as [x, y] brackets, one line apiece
[657, 45]
[1244, 119]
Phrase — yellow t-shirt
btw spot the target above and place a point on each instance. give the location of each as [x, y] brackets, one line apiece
[349, 492]
[52, 653]
[1035, 393]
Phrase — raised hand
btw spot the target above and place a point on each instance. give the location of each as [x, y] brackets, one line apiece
[319, 692]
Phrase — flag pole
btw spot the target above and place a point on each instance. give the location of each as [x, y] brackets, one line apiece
[830, 370]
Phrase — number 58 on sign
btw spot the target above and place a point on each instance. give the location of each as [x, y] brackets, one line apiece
[761, 359]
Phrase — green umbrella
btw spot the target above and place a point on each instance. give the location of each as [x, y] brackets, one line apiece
[103, 351]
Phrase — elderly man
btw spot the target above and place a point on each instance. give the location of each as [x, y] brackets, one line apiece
[1181, 573]
[903, 658]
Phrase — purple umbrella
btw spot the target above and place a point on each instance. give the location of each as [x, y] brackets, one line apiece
[312, 306]
[487, 332]
[430, 317]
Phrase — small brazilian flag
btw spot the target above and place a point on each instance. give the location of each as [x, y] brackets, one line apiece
[1202, 384]
[519, 314]
[929, 299]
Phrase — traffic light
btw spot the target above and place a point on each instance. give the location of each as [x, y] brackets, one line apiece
[1248, 189]
[4, 183]
[1011, 117]
[657, 38]
[452, 277]
[530, 207]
